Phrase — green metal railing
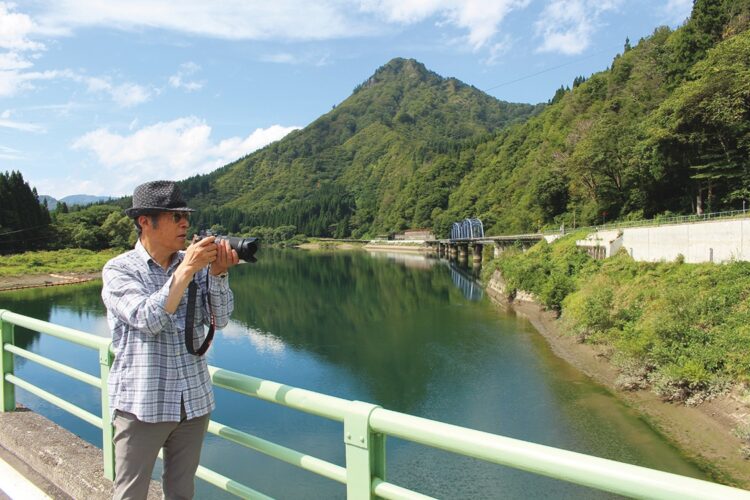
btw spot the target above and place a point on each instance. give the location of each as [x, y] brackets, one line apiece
[656, 221]
[365, 429]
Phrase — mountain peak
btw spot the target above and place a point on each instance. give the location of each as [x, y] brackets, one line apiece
[400, 68]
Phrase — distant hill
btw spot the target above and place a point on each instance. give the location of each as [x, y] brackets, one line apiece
[664, 130]
[383, 159]
[73, 199]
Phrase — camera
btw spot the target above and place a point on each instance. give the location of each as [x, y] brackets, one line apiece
[245, 247]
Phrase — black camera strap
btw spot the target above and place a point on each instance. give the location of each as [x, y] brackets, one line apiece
[190, 319]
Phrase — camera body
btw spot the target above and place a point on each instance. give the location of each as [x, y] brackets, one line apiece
[245, 247]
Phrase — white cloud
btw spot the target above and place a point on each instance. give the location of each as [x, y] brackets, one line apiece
[281, 58]
[236, 147]
[178, 80]
[15, 29]
[292, 20]
[13, 61]
[12, 82]
[481, 18]
[7, 153]
[312, 59]
[281, 19]
[176, 149]
[124, 94]
[22, 126]
[497, 50]
[127, 95]
[566, 26]
[676, 11]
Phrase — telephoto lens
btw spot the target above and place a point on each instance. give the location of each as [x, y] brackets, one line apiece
[245, 247]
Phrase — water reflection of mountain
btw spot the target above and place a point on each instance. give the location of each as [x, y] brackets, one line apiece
[464, 278]
[380, 321]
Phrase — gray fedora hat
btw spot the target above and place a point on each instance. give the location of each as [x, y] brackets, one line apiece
[157, 196]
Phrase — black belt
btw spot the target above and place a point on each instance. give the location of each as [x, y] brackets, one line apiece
[190, 318]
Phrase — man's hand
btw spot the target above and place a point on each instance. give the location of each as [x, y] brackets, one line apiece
[226, 257]
[200, 254]
[197, 256]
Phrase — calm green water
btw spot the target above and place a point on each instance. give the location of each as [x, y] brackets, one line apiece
[398, 331]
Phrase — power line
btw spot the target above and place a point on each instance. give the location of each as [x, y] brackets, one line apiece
[8, 242]
[547, 70]
[25, 229]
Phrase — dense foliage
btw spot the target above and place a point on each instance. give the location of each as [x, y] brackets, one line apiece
[683, 329]
[24, 222]
[385, 159]
[664, 129]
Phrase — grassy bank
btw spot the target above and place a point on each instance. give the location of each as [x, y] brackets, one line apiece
[682, 330]
[58, 261]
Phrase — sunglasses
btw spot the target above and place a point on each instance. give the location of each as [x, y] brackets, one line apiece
[178, 216]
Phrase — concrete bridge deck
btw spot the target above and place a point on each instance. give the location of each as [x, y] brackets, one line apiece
[41, 460]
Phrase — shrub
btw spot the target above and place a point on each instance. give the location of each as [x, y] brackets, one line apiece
[682, 328]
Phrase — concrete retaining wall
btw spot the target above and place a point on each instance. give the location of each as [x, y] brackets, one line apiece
[716, 241]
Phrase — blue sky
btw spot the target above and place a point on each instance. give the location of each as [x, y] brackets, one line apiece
[99, 96]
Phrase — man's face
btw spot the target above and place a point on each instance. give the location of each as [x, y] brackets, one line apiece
[170, 230]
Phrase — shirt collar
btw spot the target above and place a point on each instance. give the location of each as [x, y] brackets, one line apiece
[143, 254]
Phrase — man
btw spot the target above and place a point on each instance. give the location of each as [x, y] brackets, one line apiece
[160, 393]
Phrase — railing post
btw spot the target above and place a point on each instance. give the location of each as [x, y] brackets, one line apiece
[105, 362]
[7, 390]
[365, 451]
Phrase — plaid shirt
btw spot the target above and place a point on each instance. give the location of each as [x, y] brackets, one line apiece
[152, 370]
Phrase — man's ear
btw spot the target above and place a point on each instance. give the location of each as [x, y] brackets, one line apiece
[144, 220]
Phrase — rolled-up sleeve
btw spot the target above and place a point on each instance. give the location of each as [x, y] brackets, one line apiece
[129, 299]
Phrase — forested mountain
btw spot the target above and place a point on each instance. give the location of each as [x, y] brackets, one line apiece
[384, 159]
[21, 211]
[665, 129]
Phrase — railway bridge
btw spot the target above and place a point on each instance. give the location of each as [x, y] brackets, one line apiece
[467, 236]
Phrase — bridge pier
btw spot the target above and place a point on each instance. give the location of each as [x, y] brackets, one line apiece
[463, 253]
[453, 249]
[477, 253]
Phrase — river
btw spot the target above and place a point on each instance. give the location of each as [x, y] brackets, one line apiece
[403, 332]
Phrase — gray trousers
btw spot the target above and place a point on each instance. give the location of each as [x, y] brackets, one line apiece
[137, 445]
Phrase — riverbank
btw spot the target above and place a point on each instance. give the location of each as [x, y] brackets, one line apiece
[328, 245]
[373, 246]
[40, 280]
[704, 433]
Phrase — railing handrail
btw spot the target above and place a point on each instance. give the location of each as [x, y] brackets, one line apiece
[658, 221]
[62, 332]
[365, 428]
